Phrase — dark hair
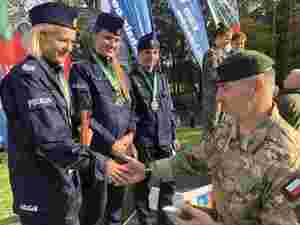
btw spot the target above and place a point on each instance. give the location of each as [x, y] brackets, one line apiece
[221, 29]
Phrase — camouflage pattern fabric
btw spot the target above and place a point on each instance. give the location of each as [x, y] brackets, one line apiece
[248, 173]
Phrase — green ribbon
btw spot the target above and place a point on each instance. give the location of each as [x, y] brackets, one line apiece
[152, 85]
[111, 76]
[65, 87]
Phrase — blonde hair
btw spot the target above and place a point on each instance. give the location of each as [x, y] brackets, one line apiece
[32, 40]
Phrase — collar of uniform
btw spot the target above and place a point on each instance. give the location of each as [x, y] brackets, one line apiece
[105, 60]
[57, 68]
[256, 138]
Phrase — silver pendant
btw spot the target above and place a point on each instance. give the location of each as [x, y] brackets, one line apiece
[154, 105]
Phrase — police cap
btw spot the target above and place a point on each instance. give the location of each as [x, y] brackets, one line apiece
[246, 63]
[54, 13]
[109, 22]
[148, 41]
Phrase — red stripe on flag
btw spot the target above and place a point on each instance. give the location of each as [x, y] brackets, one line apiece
[236, 27]
[12, 51]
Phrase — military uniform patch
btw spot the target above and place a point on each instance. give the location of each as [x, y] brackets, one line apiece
[292, 189]
[28, 68]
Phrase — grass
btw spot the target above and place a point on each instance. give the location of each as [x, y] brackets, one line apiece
[5, 193]
[184, 135]
[188, 135]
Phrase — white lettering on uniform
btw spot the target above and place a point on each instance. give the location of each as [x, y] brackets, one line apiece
[29, 208]
[38, 101]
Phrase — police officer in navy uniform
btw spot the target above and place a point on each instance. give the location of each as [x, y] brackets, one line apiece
[155, 129]
[44, 162]
[102, 79]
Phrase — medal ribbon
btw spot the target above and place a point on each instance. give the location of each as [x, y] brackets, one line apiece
[111, 76]
[152, 87]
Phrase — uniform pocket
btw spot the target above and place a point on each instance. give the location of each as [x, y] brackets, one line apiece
[103, 87]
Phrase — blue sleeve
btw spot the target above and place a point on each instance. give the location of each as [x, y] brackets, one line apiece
[82, 97]
[171, 108]
[45, 126]
[134, 117]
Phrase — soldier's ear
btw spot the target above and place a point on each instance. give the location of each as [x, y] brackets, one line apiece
[259, 85]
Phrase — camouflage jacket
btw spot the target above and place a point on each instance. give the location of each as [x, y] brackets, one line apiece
[249, 174]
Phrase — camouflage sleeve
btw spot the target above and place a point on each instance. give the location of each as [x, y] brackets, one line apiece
[275, 195]
[183, 163]
[194, 160]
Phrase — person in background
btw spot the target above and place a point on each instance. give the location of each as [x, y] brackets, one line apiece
[239, 41]
[212, 58]
[102, 82]
[156, 128]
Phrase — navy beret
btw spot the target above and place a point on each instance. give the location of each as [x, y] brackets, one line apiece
[54, 13]
[109, 22]
[148, 41]
[246, 63]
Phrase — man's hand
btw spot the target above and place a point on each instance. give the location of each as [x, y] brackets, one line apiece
[192, 216]
[133, 171]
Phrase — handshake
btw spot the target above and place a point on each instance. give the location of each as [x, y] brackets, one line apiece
[131, 170]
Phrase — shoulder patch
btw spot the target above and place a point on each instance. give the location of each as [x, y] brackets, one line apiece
[292, 189]
[28, 68]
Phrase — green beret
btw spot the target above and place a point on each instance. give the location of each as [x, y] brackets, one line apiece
[244, 64]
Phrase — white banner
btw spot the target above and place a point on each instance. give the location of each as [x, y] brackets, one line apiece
[29, 4]
[225, 11]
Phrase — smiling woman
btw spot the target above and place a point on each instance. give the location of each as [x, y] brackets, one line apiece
[61, 42]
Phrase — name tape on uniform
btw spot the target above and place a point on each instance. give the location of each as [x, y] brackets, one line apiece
[38, 101]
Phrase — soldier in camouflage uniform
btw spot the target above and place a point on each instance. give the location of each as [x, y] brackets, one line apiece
[253, 157]
[212, 58]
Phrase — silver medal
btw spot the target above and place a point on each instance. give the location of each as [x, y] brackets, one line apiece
[154, 105]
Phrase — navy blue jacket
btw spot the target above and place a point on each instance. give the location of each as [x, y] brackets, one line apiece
[44, 162]
[153, 128]
[109, 121]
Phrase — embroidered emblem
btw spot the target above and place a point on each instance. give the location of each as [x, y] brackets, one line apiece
[292, 189]
[28, 68]
[29, 208]
[78, 86]
[38, 101]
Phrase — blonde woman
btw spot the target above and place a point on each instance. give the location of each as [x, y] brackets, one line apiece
[44, 162]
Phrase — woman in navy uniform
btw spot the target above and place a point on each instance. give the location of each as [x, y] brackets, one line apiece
[44, 162]
[155, 132]
[102, 80]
